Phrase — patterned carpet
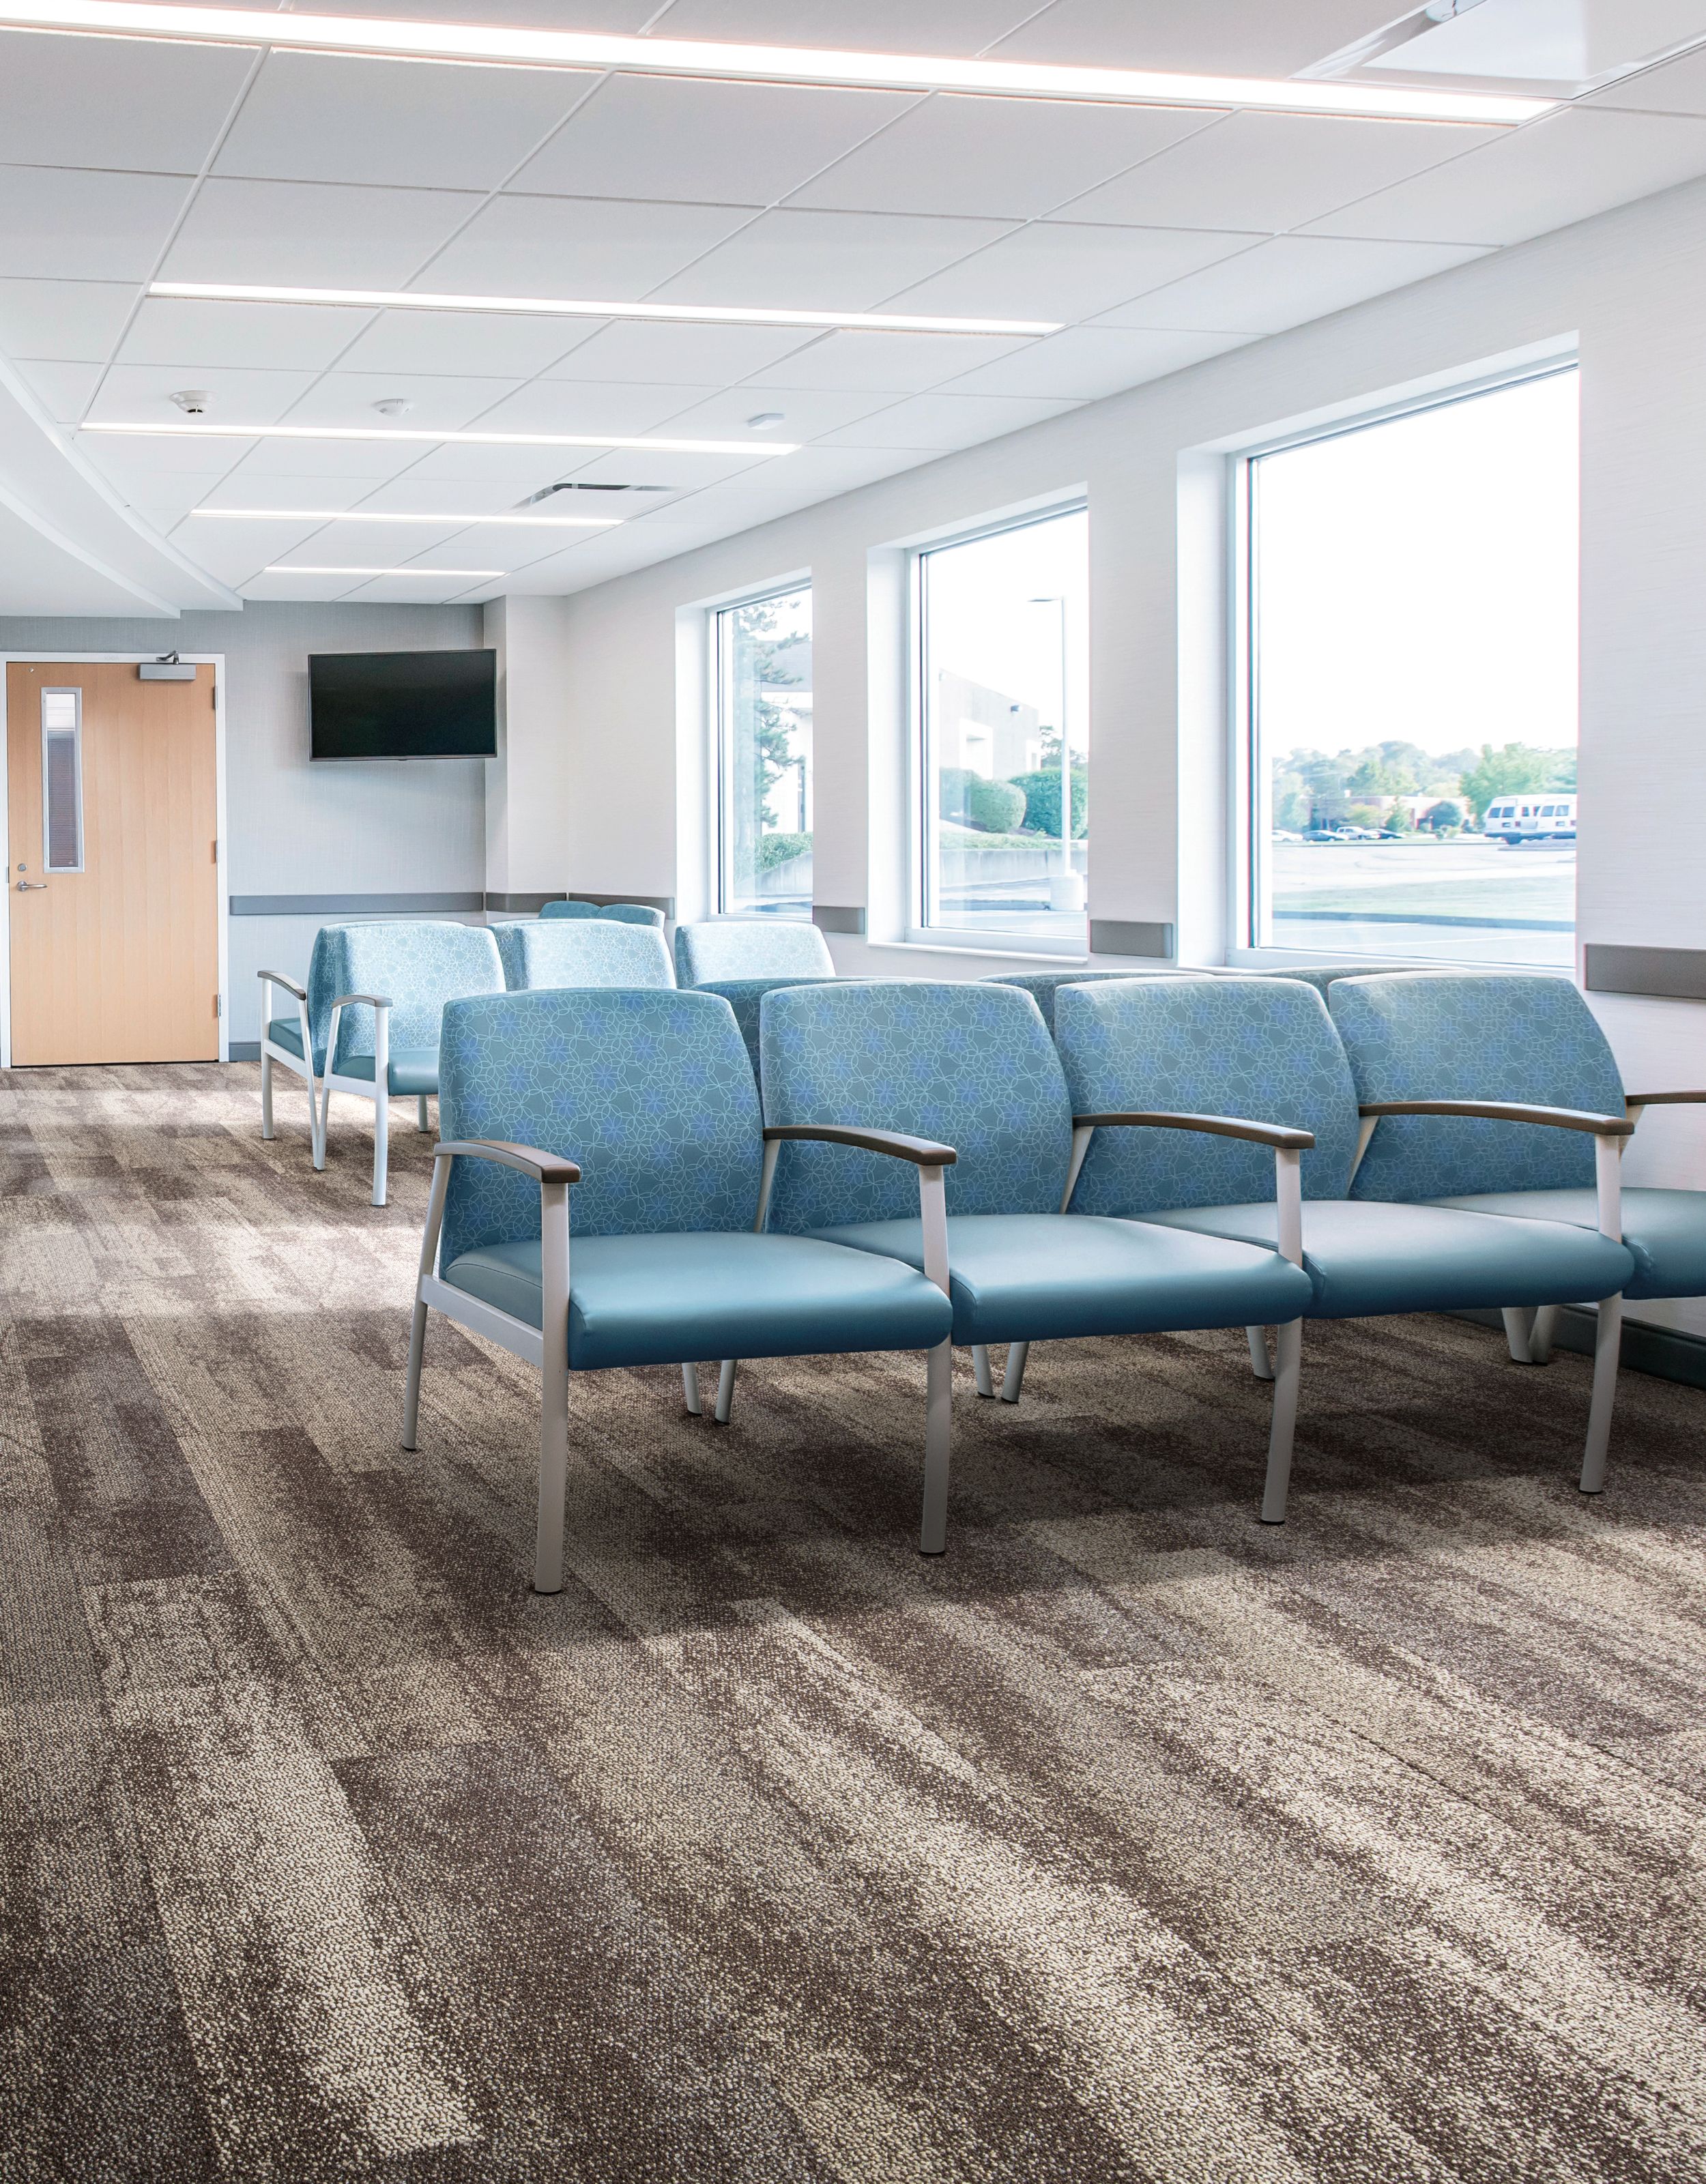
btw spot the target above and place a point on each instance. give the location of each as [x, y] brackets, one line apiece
[1130, 1842]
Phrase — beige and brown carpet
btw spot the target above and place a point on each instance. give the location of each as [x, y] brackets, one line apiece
[1130, 1842]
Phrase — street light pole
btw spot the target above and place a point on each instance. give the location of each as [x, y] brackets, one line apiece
[1058, 600]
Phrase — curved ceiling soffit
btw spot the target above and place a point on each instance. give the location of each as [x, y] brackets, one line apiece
[48, 482]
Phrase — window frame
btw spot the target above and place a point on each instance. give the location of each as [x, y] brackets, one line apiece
[1250, 799]
[921, 775]
[719, 668]
[74, 692]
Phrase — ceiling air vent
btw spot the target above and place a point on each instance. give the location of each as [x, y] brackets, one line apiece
[1565, 47]
[547, 493]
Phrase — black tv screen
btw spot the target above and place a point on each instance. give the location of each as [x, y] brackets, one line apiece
[403, 704]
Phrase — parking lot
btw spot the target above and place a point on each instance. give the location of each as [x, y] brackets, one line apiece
[1469, 900]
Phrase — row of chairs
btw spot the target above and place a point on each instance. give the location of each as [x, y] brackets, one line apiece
[921, 1165]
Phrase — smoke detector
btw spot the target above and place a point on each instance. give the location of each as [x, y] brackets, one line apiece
[193, 401]
[394, 405]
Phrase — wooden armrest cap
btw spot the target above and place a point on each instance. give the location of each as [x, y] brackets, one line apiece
[1664, 1099]
[1509, 1110]
[1274, 1134]
[922, 1152]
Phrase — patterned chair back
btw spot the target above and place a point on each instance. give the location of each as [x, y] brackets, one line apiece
[722, 948]
[1478, 1036]
[651, 1093]
[1261, 1048]
[418, 964]
[1320, 975]
[621, 913]
[745, 996]
[593, 951]
[972, 1066]
[1042, 986]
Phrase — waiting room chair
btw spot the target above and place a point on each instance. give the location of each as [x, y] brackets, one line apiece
[1042, 986]
[724, 948]
[1267, 1047]
[593, 951]
[367, 1023]
[973, 1064]
[1467, 1059]
[637, 1111]
[619, 913]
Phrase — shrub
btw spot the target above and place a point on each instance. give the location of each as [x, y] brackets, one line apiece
[995, 807]
[1042, 795]
[773, 849]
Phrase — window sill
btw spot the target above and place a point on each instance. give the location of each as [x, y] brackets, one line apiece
[997, 955]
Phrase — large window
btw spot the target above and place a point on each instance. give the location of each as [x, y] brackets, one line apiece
[1004, 817]
[764, 753]
[1412, 683]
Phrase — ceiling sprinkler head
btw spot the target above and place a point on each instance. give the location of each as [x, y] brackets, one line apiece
[765, 419]
[193, 401]
[394, 405]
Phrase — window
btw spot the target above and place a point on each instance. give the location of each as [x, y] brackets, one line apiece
[1003, 780]
[1413, 682]
[764, 748]
[62, 781]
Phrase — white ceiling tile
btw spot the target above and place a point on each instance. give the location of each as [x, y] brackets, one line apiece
[899, 364]
[144, 456]
[636, 467]
[1288, 281]
[75, 320]
[510, 473]
[235, 552]
[340, 118]
[416, 591]
[827, 261]
[1013, 157]
[1220, 38]
[816, 472]
[1085, 363]
[76, 102]
[64, 390]
[722, 143]
[946, 421]
[470, 496]
[1060, 272]
[1563, 169]
[319, 459]
[138, 393]
[458, 343]
[312, 235]
[576, 247]
[1677, 86]
[705, 356]
[440, 402]
[165, 496]
[806, 412]
[590, 405]
[615, 15]
[297, 588]
[1274, 170]
[205, 336]
[886, 26]
[253, 487]
[65, 223]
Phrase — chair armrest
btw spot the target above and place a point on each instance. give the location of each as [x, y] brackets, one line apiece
[544, 1167]
[368, 1000]
[1507, 1111]
[1274, 1134]
[922, 1152]
[1664, 1099]
[278, 978]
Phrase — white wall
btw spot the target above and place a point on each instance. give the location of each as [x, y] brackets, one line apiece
[292, 827]
[1625, 288]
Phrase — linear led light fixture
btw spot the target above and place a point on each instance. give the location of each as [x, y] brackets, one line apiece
[201, 430]
[554, 306]
[393, 515]
[680, 57]
[306, 569]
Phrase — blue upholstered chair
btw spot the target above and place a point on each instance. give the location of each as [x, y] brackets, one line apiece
[621, 913]
[638, 1111]
[1530, 1045]
[367, 1022]
[724, 948]
[975, 1063]
[593, 951]
[1321, 975]
[1042, 986]
[745, 996]
[1267, 1047]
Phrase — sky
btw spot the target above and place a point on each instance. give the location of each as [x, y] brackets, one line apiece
[983, 623]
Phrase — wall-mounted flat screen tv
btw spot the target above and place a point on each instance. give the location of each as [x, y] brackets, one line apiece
[403, 704]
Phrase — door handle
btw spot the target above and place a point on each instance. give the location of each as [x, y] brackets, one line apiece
[25, 886]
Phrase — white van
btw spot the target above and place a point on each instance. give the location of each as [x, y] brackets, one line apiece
[1542, 815]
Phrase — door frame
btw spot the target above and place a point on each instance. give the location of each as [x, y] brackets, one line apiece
[216, 662]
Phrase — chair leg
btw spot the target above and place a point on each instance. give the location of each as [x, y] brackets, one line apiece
[554, 1470]
[980, 1369]
[689, 1389]
[1288, 1363]
[1544, 1333]
[412, 1386]
[1014, 1378]
[939, 1426]
[381, 1141]
[725, 1391]
[423, 1121]
[1608, 1343]
[1261, 1364]
[266, 1095]
[1519, 1329]
[319, 1115]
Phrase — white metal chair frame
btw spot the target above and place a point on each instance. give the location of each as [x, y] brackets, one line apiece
[547, 1345]
[378, 1090]
[300, 1064]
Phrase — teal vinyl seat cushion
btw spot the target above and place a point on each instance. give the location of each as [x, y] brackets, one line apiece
[410, 1071]
[663, 1299]
[1664, 1230]
[1364, 1259]
[1031, 1277]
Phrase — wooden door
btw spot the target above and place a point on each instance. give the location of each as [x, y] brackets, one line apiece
[112, 815]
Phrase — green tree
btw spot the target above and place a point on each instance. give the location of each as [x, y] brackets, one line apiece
[1376, 775]
[1438, 817]
[1512, 771]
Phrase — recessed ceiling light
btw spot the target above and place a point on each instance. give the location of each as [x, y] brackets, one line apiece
[460, 439]
[560, 307]
[579, 49]
[395, 515]
[306, 569]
